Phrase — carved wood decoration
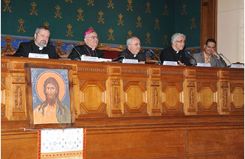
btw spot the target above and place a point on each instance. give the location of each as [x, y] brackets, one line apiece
[134, 110]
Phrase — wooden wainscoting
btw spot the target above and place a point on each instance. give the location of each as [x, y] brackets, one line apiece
[132, 111]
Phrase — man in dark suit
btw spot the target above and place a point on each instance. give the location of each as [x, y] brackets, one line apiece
[40, 44]
[133, 50]
[176, 51]
[91, 41]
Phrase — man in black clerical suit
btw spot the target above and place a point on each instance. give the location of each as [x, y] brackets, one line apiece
[133, 50]
[176, 51]
[89, 48]
[40, 45]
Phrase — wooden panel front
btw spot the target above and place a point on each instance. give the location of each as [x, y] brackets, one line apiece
[133, 111]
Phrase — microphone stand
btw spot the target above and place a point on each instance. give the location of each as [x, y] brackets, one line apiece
[225, 58]
[195, 61]
[77, 53]
[119, 58]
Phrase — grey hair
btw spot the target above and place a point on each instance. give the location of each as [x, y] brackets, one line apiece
[39, 28]
[129, 40]
[175, 36]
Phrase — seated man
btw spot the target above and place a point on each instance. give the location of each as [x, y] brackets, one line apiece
[133, 50]
[176, 51]
[89, 48]
[40, 45]
[209, 55]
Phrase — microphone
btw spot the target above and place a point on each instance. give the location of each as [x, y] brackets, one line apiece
[149, 53]
[74, 57]
[119, 58]
[192, 60]
[221, 55]
[76, 50]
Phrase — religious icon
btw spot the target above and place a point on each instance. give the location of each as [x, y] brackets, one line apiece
[50, 96]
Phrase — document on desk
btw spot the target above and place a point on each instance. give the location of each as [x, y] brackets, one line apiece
[203, 64]
[37, 55]
[171, 63]
[130, 61]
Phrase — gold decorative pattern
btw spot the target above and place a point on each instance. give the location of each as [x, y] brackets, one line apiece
[68, 1]
[57, 13]
[33, 10]
[139, 22]
[6, 6]
[101, 19]
[21, 25]
[193, 23]
[46, 24]
[90, 2]
[130, 34]
[80, 16]
[157, 24]
[148, 38]
[110, 35]
[69, 32]
[120, 21]
[183, 10]
[110, 4]
[165, 10]
[148, 7]
[130, 5]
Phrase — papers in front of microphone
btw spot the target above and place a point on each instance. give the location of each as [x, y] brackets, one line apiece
[104, 60]
[204, 64]
[36, 55]
[94, 59]
[132, 61]
[171, 63]
[237, 65]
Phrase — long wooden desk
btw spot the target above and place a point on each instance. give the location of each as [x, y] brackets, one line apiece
[133, 111]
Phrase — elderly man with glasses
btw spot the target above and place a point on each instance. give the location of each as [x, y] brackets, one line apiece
[176, 51]
[89, 48]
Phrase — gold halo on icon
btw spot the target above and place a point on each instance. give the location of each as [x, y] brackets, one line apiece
[40, 83]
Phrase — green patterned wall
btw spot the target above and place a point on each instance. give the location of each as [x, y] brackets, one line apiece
[153, 21]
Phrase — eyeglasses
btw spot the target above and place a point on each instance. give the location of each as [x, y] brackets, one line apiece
[93, 37]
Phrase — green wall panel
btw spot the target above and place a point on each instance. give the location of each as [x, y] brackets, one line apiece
[103, 15]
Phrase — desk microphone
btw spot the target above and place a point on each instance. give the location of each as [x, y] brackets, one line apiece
[73, 47]
[192, 61]
[119, 58]
[221, 55]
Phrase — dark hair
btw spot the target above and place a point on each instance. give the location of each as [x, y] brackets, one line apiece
[210, 40]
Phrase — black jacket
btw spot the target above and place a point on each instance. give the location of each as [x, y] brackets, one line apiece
[169, 54]
[79, 50]
[30, 47]
[128, 55]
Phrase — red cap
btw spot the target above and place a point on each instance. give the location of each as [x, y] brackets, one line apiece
[88, 31]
